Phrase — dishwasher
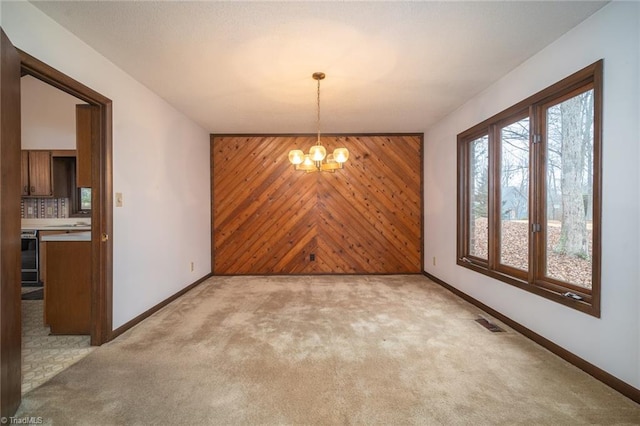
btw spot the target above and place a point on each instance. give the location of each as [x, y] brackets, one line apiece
[30, 258]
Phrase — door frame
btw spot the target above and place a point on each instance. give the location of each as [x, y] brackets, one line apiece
[101, 192]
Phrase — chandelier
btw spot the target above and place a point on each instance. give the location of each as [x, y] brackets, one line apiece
[317, 159]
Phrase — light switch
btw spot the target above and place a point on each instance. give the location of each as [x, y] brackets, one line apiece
[118, 199]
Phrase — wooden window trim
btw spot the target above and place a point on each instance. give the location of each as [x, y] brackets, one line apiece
[535, 107]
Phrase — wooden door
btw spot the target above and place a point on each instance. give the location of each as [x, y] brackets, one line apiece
[40, 174]
[10, 318]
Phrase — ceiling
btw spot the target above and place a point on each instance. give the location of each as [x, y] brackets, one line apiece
[245, 67]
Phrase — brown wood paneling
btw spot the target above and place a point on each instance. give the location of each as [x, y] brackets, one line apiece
[268, 218]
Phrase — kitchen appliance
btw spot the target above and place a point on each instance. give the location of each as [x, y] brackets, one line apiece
[30, 258]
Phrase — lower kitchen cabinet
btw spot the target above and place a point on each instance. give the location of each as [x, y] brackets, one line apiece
[68, 287]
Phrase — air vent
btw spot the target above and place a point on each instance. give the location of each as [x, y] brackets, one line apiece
[489, 325]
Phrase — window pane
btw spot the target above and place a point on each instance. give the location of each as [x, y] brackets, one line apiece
[479, 193]
[514, 194]
[569, 169]
[85, 198]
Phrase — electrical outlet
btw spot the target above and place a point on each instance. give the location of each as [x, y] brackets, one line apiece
[312, 257]
[191, 265]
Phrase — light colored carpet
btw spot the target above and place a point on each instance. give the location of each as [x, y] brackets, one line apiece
[323, 350]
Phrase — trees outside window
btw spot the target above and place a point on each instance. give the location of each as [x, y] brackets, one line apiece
[569, 188]
[479, 191]
[529, 193]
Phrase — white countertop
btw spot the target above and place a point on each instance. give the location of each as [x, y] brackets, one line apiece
[71, 236]
[67, 224]
[60, 228]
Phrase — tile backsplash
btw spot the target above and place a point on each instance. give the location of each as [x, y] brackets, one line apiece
[44, 208]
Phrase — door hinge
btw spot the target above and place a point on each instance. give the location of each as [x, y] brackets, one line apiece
[537, 138]
[536, 227]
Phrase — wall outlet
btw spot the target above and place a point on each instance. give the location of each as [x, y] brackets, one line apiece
[312, 257]
[434, 261]
[191, 265]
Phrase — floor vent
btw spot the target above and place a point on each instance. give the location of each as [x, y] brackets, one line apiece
[489, 325]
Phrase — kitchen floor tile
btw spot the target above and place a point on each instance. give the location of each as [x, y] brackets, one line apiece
[44, 356]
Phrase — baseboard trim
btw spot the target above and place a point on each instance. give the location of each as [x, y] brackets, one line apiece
[606, 378]
[130, 324]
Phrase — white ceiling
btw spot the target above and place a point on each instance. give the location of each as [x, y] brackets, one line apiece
[245, 67]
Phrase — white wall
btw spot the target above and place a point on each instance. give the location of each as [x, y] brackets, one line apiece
[613, 341]
[48, 116]
[160, 165]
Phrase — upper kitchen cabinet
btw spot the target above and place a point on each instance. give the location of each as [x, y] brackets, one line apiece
[37, 174]
[85, 119]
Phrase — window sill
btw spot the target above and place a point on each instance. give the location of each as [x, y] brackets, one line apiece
[586, 305]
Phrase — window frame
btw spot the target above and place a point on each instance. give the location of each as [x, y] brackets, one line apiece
[78, 202]
[75, 198]
[535, 279]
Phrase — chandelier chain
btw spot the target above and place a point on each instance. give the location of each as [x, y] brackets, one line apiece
[318, 119]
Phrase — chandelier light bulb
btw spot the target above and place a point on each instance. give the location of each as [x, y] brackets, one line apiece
[341, 155]
[317, 152]
[296, 156]
[307, 165]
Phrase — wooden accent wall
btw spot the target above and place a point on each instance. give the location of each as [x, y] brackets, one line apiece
[268, 218]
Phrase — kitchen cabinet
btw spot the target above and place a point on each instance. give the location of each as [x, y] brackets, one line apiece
[63, 176]
[42, 261]
[43, 255]
[67, 291]
[84, 128]
[37, 174]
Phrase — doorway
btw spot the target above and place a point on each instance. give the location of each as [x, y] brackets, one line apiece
[101, 215]
[56, 127]
[101, 198]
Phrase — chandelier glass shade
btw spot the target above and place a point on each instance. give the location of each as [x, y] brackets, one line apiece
[317, 160]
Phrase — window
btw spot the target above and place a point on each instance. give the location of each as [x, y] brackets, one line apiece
[529, 193]
[84, 199]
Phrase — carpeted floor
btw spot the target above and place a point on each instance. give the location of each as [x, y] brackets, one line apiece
[323, 350]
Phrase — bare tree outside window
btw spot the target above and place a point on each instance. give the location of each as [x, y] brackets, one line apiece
[479, 181]
[570, 189]
[529, 193]
[514, 194]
